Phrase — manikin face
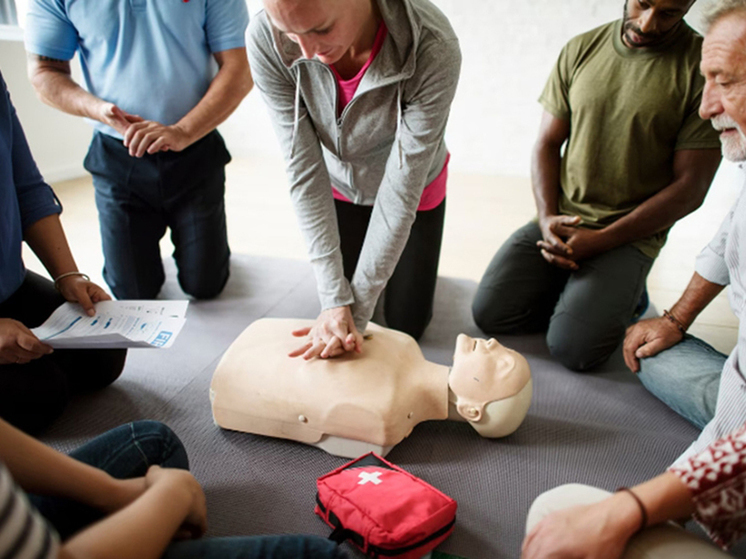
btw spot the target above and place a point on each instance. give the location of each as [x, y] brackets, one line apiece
[484, 371]
[724, 68]
[325, 29]
[650, 22]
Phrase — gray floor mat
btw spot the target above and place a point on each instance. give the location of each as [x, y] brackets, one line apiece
[602, 429]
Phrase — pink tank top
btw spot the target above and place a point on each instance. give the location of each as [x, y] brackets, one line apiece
[435, 192]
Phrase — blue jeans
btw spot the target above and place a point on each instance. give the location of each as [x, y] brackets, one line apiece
[138, 198]
[128, 451]
[686, 378]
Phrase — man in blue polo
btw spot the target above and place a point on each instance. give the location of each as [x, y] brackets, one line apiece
[159, 77]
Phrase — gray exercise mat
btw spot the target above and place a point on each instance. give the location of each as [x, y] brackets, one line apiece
[602, 429]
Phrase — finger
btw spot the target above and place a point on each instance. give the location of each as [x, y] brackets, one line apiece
[98, 294]
[337, 352]
[132, 130]
[556, 244]
[634, 338]
[358, 337]
[526, 547]
[651, 348]
[84, 300]
[30, 346]
[132, 118]
[301, 332]
[629, 356]
[146, 142]
[301, 350]
[332, 347]
[559, 261]
[315, 350]
[569, 220]
[560, 250]
[157, 146]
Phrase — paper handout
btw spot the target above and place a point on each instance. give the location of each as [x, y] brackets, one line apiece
[117, 324]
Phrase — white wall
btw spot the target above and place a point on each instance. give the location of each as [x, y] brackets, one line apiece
[58, 141]
[508, 50]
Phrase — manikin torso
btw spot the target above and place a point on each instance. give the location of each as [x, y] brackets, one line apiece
[365, 402]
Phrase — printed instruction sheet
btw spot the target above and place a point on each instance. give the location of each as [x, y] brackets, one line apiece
[117, 324]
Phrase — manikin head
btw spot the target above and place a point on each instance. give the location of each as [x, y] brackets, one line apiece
[326, 29]
[724, 68]
[648, 23]
[491, 386]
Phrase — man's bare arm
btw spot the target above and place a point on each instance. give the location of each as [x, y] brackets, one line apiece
[53, 83]
[228, 88]
[650, 337]
[693, 171]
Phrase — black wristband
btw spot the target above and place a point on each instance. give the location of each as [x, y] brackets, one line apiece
[643, 511]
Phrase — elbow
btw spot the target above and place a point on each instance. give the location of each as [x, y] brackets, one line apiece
[243, 82]
[247, 84]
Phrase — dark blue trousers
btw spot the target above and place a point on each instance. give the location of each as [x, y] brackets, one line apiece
[35, 394]
[139, 198]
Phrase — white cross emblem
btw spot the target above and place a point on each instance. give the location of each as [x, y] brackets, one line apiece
[366, 477]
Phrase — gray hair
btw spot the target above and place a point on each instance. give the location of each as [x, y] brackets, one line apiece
[716, 10]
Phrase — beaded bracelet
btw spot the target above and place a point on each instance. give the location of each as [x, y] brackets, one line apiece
[643, 510]
[674, 321]
[67, 275]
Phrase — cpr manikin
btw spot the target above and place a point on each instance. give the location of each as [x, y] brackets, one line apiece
[356, 403]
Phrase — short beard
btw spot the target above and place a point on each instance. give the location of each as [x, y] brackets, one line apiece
[734, 148]
[628, 25]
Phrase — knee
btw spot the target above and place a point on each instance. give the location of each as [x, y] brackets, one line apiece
[561, 497]
[159, 444]
[32, 407]
[203, 286]
[124, 291]
[111, 365]
[579, 347]
[488, 313]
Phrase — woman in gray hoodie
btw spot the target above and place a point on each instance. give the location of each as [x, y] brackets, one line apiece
[359, 93]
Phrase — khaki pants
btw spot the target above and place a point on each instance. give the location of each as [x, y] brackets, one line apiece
[665, 541]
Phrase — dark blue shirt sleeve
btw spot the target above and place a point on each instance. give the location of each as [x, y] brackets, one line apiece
[36, 199]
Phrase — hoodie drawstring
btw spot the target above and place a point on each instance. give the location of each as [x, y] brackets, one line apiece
[399, 123]
[296, 112]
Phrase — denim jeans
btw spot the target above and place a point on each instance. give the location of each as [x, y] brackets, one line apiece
[128, 451]
[686, 377]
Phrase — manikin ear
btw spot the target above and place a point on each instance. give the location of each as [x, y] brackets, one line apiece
[503, 417]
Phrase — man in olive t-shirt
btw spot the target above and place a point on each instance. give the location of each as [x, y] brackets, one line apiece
[624, 99]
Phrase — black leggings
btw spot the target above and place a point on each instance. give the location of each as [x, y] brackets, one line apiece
[34, 394]
[408, 299]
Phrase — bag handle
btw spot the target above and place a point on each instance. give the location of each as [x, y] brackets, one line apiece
[341, 534]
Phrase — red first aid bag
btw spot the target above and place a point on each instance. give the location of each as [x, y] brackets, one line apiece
[383, 510]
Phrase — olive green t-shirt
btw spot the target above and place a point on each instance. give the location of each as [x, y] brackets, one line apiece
[629, 111]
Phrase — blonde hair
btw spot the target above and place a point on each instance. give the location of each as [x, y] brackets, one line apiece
[716, 10]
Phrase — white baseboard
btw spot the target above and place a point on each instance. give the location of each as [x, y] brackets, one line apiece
[63, 172]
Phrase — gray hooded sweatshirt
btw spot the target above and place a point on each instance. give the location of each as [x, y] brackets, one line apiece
[382, 151]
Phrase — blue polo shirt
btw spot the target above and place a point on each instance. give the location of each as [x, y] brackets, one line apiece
[24, 196]
[152, 58]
